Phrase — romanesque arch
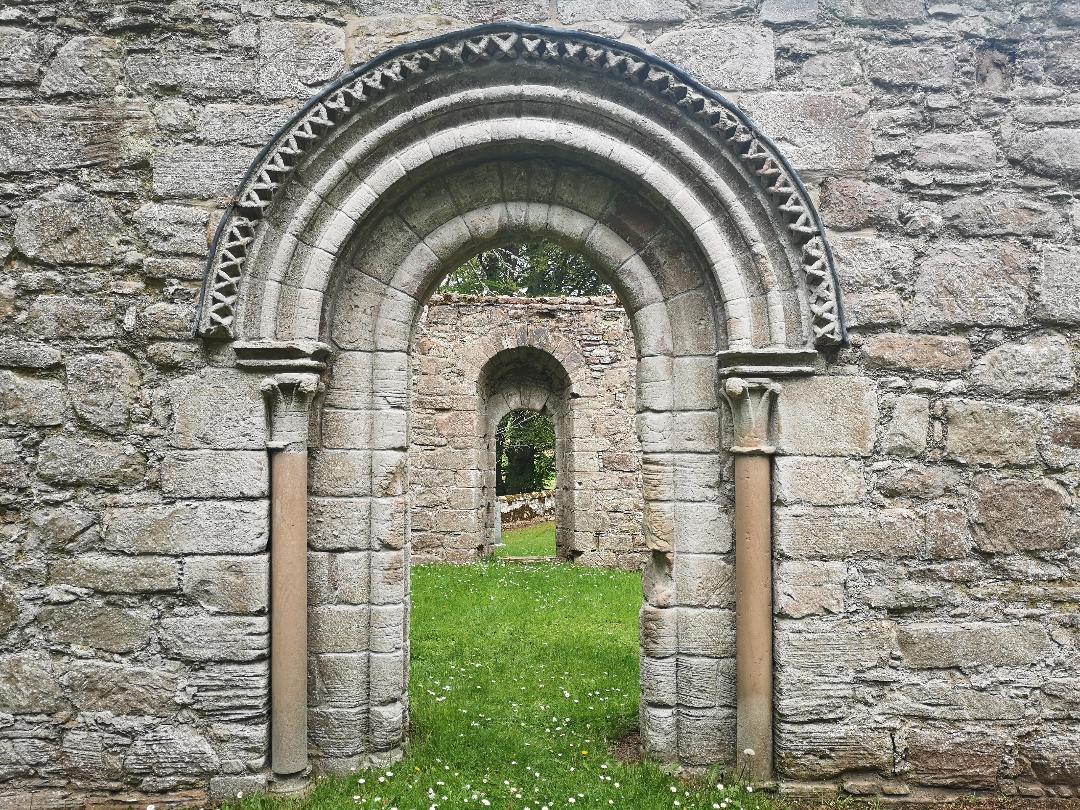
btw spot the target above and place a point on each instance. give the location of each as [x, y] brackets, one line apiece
[391, 177]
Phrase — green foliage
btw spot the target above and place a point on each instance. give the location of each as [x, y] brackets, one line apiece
[529, 269]
[529, 541]
[522, 676]
[524, 452]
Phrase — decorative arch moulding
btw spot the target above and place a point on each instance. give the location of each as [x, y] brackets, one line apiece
[397, 70]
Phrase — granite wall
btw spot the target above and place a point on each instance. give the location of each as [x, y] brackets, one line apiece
[926, 521]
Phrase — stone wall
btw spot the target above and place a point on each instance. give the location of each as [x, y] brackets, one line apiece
[526, 507]
[600, 507]
[926, 520]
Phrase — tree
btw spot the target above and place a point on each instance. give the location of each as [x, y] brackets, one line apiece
[526, 269]
[524, 453]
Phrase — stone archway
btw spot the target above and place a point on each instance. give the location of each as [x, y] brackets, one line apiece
[347, 222]
[526, 378]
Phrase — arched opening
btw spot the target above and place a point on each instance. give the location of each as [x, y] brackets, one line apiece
[526, 516]
[519, 388]
[354, 214]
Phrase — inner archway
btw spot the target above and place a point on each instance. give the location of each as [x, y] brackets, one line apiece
[355, 212]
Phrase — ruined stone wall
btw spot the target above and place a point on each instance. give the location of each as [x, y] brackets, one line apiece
[458, 334]
[926, 524]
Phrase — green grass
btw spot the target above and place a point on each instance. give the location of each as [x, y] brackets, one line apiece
[531, 541]
[521, 677]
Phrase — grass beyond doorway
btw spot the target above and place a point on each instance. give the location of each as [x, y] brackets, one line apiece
[521, 678]
[530, 541]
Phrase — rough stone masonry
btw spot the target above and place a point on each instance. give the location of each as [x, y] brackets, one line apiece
[599, 509]
[925, 544]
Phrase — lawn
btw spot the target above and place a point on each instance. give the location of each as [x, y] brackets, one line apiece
[522, 677]
[530, 541]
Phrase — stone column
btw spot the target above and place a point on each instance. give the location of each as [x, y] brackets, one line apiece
[288, 399]
[751, 403]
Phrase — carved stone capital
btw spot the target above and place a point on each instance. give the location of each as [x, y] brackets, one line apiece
[288, 400]
[751, 406]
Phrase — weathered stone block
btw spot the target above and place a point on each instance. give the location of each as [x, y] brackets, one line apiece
[850, 204]
[706, 631]
[117, 574]
[103, 388]
[64, 316]
[1042, 364]
[216, 638]
[69, 226]
[653, 11]
[990, 433]
[735, 57]
[26, 354]
[952, 757]
[876, 11]
[783, 12]
[340, 680]
[89, 624]
[174, 228]
[215, 474]
[220, 408]
[339, 523]
[247, 124]
[818, 481]
[819, 751]
[926, 353]
[1003, 215]
[704, 580]
[962, 286]
[170, 751]
[1053, 755]
[85, 66]
[295, 57]
[929, 68]
[705, 735]
[99, 686]
[810, 588]
[200, 172]
[827, 416]
[29, 684]
[229, 584]
[1013, 514]
[219, 527]
[230, 692]
[846, 532]
[917, 481]
[30, 401]
[1058, 286]
[338, 628]
[198, 75]
[934, 645]
[871, 263]
[47, 137]
[906, 432]
[69, 460]
[21, 55]
[1048, 152]
[833, 131]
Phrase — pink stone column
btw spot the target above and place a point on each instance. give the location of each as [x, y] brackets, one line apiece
[751, 403]
[288, 398]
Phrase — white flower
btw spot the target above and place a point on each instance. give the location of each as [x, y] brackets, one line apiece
[239, 794]
[150, 807]
[748, 751]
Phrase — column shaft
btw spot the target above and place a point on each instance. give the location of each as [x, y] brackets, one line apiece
[288, 611]
[753, 616]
